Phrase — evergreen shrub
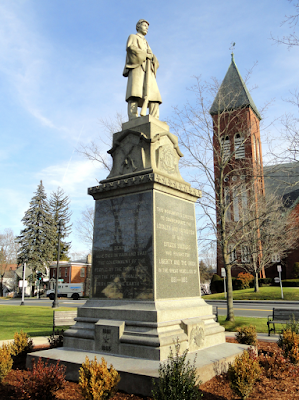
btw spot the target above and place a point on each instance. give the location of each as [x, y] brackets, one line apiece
[265, 282]
[296, 270]
[41, 382]
[216, 284]
[290, 283]
[247, 335]
[21, 345]
[5, 361]
[177, 378]
[244, 372]
[97, 382]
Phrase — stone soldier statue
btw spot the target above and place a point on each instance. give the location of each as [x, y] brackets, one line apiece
[140, 69]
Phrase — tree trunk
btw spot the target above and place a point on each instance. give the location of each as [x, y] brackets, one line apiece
[230, 304]
[1, 286]
[256, 282]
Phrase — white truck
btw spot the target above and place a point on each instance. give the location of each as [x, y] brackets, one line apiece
[73, 290]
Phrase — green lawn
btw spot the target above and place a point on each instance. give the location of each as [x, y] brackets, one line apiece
[259, 323]
[265, 293]
[36, 321]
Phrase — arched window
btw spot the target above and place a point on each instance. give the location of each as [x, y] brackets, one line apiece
[236, 204]
[239, 146]
[231, 253]
[227, 203]
[245, 254]
[226, 147]
[258, 151]
[254, 149]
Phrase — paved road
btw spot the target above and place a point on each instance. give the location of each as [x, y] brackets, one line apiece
[244, 309]
[45, 302]
[252, 309]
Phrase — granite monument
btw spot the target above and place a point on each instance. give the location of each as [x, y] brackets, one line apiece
[145, 276]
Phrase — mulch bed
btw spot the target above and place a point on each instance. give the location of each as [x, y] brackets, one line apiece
[284, 387]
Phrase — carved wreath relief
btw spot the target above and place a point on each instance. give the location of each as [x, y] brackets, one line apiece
[167, 159]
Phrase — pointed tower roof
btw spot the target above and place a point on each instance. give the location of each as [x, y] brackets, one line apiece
[233, 93]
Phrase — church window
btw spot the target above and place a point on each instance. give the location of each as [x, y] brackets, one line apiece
[275, 257]
[226, 148]
[227, 203]
[231, 253]
[239, 146]
[258, 152]
[245, 254]
[244, 197]
[236, 204]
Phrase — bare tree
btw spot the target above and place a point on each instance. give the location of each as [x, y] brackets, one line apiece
[215, 151]
[85, 224]
[8, 253]
[268, 232]
[292, 38]
[94, 151]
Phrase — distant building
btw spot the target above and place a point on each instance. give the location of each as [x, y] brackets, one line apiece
[235, 114]
[72, 272]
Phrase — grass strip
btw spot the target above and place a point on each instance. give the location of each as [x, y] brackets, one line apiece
[35, 321]
[265, 293]
[259, 323]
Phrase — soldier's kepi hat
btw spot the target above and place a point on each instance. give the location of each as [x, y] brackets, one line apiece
[140, 22]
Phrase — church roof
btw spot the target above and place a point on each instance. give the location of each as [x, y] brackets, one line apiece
[233, 93]
[283, 181]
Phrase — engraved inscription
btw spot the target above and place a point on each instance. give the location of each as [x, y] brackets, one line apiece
[106, 342]
[176, 255]
[122, 248]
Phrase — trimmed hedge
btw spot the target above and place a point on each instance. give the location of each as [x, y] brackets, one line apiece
[217, 283]
[290, 283]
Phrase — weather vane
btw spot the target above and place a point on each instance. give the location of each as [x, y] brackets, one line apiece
[232, 46]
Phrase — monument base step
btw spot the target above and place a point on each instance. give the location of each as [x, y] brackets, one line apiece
[136, 373]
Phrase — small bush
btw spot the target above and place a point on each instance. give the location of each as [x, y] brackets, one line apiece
[41, 382]
[293, 324]
[22, 344]
[5, 361]
[216, 284]
[56, 339]
[296, 270]
[265, 282]
[243, 373]
[247, 335]
[245, 278]
[274, 364]
[177, 378]
[289, 342]
[97, 382]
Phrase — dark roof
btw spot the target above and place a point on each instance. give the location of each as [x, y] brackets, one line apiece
[283, 181]
[233, 93]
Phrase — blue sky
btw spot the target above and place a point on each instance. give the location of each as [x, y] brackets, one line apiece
[61, 65]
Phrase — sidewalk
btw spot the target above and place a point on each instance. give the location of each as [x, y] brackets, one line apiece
[37, 340]
[43, 340]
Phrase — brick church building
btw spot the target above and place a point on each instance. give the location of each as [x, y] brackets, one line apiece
[238, 163]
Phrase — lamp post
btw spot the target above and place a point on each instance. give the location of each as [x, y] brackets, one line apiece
[55, 302]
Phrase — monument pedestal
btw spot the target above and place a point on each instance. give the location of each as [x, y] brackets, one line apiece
[145, 274]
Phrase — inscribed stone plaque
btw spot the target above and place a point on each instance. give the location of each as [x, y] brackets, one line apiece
[122, 248]
[177, 273]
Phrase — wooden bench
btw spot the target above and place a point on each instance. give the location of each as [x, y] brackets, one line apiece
[63, 318]
[281, 316]
[215, 312]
